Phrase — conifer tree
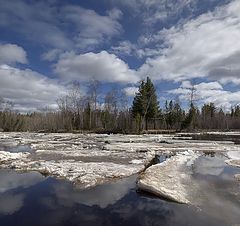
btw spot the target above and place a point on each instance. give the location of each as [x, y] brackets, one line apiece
[145, 104]
[138, 106]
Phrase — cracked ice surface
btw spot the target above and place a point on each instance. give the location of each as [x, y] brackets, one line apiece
[83, 174]
[83, 159]
[91, 159]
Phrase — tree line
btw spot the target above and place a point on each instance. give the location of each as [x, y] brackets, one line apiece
[85, 113]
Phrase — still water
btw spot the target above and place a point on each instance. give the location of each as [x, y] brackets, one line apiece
[16, 149]
[29, 199]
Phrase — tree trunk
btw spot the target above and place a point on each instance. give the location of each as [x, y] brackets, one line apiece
[90, 120]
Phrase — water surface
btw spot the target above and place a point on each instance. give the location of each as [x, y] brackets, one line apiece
[16, 149]
[29, 199]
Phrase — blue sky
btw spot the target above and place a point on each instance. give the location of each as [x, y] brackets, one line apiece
[45, 45]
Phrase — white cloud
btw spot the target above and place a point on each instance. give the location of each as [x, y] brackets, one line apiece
[51, 55]
[91, 27]
[209, 86]
[28, 90]
[147, 52]
[130, 91]
[115, 13]
[124, 48]
[38, 22]
[128, 48]
[211, 92]
[11, 53]
[151, 12]
[160, 10]
[101, 66]
[58, 26]
[186, 84]
[206, 46]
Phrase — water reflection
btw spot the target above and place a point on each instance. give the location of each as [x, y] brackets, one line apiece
[102, 196]
[219, 192]
[10, 203]
[209, 165]
[11, 182]
[29, 199]
[10, 179]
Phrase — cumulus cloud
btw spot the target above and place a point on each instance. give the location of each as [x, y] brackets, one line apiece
[28, 90]
[100, 66]
[207, 46]
[11, 53]
[130, 91]
[211, 92]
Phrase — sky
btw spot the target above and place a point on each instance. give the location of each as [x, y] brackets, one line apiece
[46, 45]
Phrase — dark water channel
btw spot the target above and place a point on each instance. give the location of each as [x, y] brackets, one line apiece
[29, 199]
[215, 137]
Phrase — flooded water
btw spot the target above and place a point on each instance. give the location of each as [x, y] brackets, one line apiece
[18, 148]
[29, 199]
[216, 137]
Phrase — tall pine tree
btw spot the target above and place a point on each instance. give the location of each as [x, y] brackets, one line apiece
[145, 105]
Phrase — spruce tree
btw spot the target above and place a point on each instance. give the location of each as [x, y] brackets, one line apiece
[152, 107]
[145, 104]
[138, 105]
[190, 120]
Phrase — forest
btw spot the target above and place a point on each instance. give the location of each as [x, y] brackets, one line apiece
[84, 113]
